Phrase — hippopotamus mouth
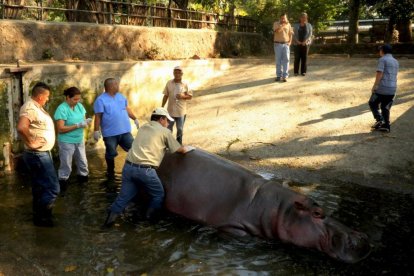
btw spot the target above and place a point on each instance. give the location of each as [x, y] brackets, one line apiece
[347, 245]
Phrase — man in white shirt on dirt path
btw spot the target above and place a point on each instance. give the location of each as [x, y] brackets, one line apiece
[177, 93]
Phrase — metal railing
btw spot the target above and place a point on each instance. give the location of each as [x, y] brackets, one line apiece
[337, 31]
[124, 13]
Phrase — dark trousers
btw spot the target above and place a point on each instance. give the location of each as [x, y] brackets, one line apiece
[301, 55]
[134, 177]
[112, 142]
[45, 183]
[384, 102]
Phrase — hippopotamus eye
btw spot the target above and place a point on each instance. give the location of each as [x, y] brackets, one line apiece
[318, 214]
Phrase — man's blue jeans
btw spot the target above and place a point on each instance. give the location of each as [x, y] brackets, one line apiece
[134, 178]
[45, 183]
[180, 127]
[112, 142]
[385, 102]
[282, 56]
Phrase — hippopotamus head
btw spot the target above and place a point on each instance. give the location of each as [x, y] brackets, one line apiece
[305, 224]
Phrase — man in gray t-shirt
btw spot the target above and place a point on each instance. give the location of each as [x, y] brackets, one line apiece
[384, 89]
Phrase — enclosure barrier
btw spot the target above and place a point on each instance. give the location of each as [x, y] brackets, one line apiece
[369, 30]
[124, 13]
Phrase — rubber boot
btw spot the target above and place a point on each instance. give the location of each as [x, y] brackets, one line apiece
[152, 215]
[43, 217]
[110, 168]
[110, 220]
[36, 212]
[83, 179]
[63, 186]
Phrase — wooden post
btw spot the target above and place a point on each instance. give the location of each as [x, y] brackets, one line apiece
[129, 7]
[153, 10]
[2, 9]
[41, 11]
[169, 14]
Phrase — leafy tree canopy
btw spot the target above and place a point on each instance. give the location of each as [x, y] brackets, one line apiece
[399, 9]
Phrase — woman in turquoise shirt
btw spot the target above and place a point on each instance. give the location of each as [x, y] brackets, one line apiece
[70, 123]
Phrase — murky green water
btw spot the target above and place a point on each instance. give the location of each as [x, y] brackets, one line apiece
[176, 246]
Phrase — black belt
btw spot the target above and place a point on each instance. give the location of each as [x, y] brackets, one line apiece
[141, 166]
[36, 151]
[280, 42]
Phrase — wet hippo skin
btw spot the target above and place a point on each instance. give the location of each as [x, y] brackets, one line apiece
[214, 191]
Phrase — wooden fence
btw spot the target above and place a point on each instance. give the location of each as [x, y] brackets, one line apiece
[124, 13]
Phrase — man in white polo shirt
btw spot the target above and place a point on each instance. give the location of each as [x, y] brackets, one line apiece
[177, 93]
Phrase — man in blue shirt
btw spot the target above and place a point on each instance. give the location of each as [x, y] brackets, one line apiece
[112, 122]
[384, 89]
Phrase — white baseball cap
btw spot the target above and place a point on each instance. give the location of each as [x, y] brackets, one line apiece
[178, 68]
[162, 112]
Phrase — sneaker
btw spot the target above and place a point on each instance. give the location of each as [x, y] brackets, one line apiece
[296, 74]
[384, 127]
[376, 125]
[277, 79]
[303, 74]
[284, 80]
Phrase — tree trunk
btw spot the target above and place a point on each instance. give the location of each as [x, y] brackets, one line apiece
[232, 21]
[354, 8]
[182, 4]
[170, 22]
[390, 29]
[85, 16]
[404, 29]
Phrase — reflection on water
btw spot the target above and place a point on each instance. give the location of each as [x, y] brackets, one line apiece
[177, 246]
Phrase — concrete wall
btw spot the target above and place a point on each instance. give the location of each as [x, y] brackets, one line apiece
[33, 41]
[141, 82]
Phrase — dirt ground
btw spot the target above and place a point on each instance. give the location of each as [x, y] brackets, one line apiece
[313, 128]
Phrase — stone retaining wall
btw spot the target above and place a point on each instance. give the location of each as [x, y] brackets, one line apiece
[34, 41]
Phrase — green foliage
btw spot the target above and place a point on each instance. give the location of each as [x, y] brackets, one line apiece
[223, 6]
[56, 16]
[152, 53]
[211, 5]
[268, 11]
[399, 9]
[318, 11]
[47, 54]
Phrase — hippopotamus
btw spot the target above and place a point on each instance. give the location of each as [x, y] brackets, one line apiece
[211, 190]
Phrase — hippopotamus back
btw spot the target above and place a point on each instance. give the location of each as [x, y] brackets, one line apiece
[212, 190]
[206, 187]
